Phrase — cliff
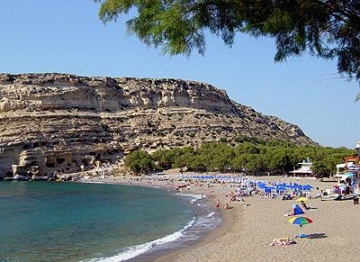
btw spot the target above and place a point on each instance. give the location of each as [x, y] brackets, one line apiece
[59, 122]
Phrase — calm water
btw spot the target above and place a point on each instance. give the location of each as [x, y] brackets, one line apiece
[42, 221]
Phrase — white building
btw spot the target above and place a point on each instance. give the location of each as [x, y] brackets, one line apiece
[304, 169]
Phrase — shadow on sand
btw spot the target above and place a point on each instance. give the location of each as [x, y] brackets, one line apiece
[316, 235]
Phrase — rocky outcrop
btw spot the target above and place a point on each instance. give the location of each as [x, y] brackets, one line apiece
[59, 122]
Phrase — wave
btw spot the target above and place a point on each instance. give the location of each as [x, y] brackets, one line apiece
[211, 214]
[199, 225]
[194, 197]
[137, 250]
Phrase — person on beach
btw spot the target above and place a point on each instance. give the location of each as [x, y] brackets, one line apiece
[304, 205]
[217, 205]
[282, 242]
[233, 198]
[227, 207]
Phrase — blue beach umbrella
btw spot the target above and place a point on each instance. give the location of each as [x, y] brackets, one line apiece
[262, 185]
[306, 187]
[269, 189]
[281, 188]
[297, 210]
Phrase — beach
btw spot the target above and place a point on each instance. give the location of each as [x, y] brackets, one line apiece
[250, 226]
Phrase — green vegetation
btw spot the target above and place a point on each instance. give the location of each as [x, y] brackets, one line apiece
[255, 156]
[324, 28]
[139, 162]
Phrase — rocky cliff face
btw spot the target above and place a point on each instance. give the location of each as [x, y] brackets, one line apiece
[59, 122]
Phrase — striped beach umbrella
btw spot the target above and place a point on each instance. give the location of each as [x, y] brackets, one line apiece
[300, 221]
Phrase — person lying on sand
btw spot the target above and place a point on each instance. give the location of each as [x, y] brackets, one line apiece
[235, 198]
[306, 207]
[282, 241]
[227, 207]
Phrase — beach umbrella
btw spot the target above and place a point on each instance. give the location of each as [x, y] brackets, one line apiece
[297, 210]
[301, 199]
[300, 221]
[281, 188]
[296, 186]
[306, 187]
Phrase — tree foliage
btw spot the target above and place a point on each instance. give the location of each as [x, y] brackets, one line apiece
[328, 29]
[254, 158]
[139, 161]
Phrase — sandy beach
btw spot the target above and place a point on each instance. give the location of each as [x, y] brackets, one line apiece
[250, 226]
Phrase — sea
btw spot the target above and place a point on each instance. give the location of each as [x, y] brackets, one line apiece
[71, 221]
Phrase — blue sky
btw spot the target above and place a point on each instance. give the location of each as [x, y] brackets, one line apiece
[67, 37]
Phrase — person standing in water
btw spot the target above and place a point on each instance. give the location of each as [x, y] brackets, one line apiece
[218, 205]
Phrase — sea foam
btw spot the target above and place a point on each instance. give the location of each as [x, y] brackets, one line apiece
[137, 250]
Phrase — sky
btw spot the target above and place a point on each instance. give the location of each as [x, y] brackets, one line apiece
[66, 36]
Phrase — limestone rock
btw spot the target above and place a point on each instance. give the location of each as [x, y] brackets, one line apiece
[59, 122]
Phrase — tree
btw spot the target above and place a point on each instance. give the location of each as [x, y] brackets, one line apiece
[247, 147]
[329, 29]
[254, 164]
[162, 159]
[277, 161]
[139, 161]
[321, 169]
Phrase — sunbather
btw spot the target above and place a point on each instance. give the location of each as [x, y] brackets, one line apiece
[306, 207]
[282, 241]
[227, 207]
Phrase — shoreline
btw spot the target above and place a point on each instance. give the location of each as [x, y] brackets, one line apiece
[228, 220]
[248, 228]
[334, 232]
[217, 191]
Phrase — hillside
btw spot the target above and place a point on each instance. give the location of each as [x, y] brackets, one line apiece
[58, 122]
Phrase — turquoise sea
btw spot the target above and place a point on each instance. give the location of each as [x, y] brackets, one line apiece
[49, 221]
